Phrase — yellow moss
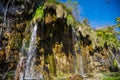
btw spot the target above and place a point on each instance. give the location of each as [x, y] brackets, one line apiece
[52, 64]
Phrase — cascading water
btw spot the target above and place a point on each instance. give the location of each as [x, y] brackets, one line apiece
[75, 40]
[114, 57]
[4, 23]
[25, 67]
[80, 57]
[29, 72]
[81, 67]
[20, 69]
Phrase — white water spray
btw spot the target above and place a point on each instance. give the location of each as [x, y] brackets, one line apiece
[29, 72]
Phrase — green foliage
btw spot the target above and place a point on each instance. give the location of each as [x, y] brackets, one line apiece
[52, 1]
[85, 21]
[108, 35]
[26, 44]
[39, 13]
[73, 8]
[70, 19]
[115, 63]
[111, 76]
[118, 27]
[118, 22]
[71, 4]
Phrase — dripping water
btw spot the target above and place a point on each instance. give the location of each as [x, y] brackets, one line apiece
[5, 13]
[81, 66]
[4, 23]
[74, 40]
[29, 72]
[80, 59]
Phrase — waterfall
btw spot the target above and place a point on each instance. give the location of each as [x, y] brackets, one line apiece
[77, 49]
[81, 66]
[19, 74]
[25, 67]
[74, 40]
[5, 13]
[79, 59]
[4, 23]
[29, 72]
[116, 58]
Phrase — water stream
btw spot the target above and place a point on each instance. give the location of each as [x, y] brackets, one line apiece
[80, 59]
[29, 72]
[4, 23]
[5, 13]
[114, 57]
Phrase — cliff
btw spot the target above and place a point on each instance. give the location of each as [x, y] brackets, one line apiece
[46, 41]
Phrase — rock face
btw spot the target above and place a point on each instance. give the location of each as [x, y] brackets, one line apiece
[65, 49]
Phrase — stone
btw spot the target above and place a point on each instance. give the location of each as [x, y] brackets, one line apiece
[60, 11]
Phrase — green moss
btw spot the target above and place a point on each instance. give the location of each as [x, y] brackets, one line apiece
[52, 1]
[10, 75]
[26, 44]
[115, 63]
[38, 14]
[70, 19]
[111, 76]
[108, 35]
[19, 40]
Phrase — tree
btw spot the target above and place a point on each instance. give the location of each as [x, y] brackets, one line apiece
[118, 27]
[118, 22]
[109, 35]
[74, 8]
[86, 22]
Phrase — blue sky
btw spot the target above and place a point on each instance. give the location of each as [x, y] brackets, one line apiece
[100, 13]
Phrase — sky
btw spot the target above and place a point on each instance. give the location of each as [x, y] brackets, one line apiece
[100, 13]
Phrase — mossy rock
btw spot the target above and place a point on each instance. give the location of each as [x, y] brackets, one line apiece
[38, 14]
[70, 19]
[52, 64]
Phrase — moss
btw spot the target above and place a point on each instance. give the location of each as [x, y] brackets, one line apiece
[52, 64]
[38, 14]
[26, 42]
[109, 35]
[52, 1]
[111, 76]
[10, 75]
[19, 40]
[70, 19]
[115, 63]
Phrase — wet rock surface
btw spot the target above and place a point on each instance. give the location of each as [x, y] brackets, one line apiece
[63, 51]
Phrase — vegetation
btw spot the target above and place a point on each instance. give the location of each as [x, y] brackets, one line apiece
[52, 1]
[108, 35]
[115, 63]
[70, 19]
[39, 13]
[118, 27]
[111, 76]
[118, 22]
[85, 21]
